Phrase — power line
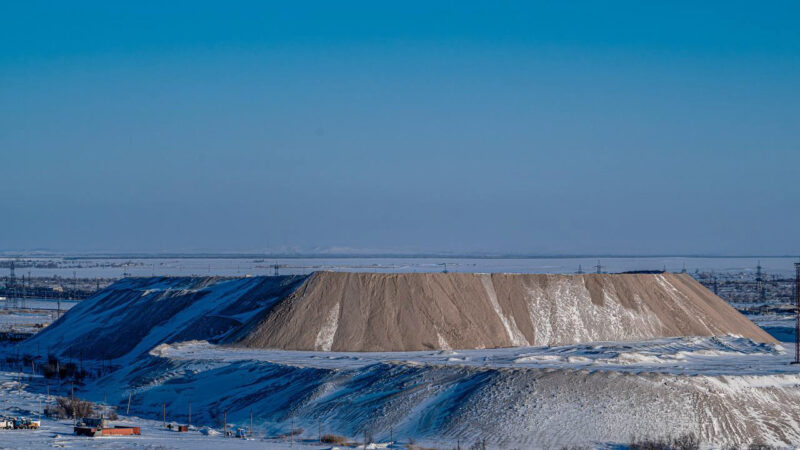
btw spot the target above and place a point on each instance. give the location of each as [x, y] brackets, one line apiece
[797, 314]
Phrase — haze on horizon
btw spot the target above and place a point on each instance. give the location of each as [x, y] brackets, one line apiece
[544, 128]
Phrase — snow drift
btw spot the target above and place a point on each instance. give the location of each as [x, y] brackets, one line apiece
[336, 311]
[750, 395]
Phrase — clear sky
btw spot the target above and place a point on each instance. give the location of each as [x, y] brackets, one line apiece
[513, 127]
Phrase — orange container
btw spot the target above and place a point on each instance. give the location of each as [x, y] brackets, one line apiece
[122, 431]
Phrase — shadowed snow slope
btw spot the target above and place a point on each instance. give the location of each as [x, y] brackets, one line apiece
[402, 312]
[134, 315]
[337, 311]
[439, 397]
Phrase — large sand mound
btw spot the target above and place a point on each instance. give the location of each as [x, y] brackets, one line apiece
[335, 311]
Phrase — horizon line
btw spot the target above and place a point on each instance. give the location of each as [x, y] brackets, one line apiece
[356, 255]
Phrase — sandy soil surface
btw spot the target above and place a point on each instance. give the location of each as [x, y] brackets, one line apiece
[401, 312]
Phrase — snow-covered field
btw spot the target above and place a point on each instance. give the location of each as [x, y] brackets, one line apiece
[729, 355]
[726, 390]
[17, 399]
[30, 317]
[40, 303]
[115, 267]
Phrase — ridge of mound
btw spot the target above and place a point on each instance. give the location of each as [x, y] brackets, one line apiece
[343, 311]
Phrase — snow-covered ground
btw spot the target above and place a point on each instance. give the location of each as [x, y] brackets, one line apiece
[19, 321]
[40, 303]
[724, 389]
[115, 267]
[18, 399]
[30, 317]
[729, 355]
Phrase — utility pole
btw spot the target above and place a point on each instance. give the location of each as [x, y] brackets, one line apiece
[580, 270]
[797, 312]
[716, 283]
[11, 285]
[11, 276]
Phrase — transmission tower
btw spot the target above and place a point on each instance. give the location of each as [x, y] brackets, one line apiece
[760, 283]
[11, 286]
[797, 314]
[11, 277]
[599, 267]
[716, 283]
[580, 270]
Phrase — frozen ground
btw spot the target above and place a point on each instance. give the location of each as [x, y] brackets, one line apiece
[115, 267]
[30, 318]
[729, 355]
[17, 400]
[780, 326]
[40, 303]
[727, 390]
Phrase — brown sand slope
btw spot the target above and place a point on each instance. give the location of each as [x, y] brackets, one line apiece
[334, 311]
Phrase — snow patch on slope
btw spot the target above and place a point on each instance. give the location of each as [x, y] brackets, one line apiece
[325, 336]
[442, 342]
[563, 312]
[514, 335]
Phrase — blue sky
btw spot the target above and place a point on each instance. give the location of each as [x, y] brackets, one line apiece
[519, 127]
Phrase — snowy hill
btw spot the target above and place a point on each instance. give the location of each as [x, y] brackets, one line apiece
[201, 341]
[390, 312]
[134, 315]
